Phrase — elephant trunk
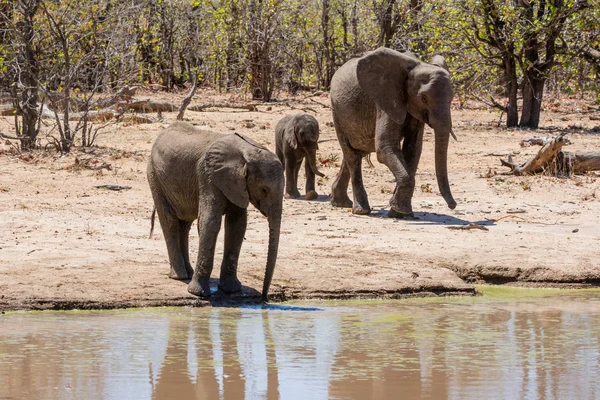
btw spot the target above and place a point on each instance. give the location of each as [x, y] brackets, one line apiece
[442, 137]
[274, 228]
[311, 159]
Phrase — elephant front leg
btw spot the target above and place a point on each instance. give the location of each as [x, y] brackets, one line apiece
[311, 193]
[209, 224]
[291, 177]
[235, 228]
[387, 145]
[411, 150]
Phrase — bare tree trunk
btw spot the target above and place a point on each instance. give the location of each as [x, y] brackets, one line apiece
[29, 77]
[533, 93]
[328, 53]
[387, 31]
[510, 74]
[254, 53]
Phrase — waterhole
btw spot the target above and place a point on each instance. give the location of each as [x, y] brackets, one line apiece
[506, 344]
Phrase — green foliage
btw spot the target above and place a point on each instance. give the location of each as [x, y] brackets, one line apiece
[298, 42]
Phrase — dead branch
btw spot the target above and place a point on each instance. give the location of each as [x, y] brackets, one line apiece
[551, 158]
[318, 102]
[504, 217]
[541, 161]
[188, 99]
[305, 109]
[202, 107]
[4, 135]
[539, 141]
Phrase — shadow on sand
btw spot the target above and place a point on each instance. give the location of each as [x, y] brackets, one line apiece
[424, 218]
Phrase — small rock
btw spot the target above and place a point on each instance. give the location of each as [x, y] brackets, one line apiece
[575, 230]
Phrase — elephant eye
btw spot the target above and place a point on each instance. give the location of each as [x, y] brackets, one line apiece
[264, 190]
[424, 99]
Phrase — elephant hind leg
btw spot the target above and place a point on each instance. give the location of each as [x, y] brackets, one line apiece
[175, 233]
[339, 189]
[351, 171]
[184, 234]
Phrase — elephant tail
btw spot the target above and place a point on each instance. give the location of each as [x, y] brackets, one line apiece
[152, 222]
[367, 157]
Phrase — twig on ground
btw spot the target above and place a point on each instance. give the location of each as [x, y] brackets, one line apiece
[501, 218]
[469, 227]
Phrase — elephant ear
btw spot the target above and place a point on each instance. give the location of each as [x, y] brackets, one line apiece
[226, 168]
[382, 74]
[290, 133]
[439, 61]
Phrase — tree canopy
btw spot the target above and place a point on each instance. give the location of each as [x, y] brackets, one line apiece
[502, 52]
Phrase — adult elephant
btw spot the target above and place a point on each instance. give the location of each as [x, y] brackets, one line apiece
[205, 175]
[380, 100]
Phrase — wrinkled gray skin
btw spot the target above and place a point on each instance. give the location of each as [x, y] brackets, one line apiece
[296, 138]
[379, 100]
[205, 175]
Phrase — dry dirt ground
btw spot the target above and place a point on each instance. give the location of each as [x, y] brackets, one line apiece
[66, 244]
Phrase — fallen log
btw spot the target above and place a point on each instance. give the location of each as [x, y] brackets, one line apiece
[93, 116]
[131, 119]
[540, 162]
[551, 159]
[582, 162]
[147, 106]
[202, 107]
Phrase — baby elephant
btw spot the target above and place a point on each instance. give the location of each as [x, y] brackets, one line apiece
[204, 175]
[296, 137]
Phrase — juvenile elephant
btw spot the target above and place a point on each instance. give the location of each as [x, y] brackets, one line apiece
[296, 138]
[379, 100]
[205, 175]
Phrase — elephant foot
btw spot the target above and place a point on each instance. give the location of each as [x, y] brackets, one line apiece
[180, 276]
[311, 195]
[200, 287]
[230, 285]
[345, 203]
[358, 210]
[400, 215]
[292, 195]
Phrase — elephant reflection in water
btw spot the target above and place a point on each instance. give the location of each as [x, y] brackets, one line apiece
[250, 356]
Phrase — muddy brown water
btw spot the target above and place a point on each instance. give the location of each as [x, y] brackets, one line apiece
[506, 344]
